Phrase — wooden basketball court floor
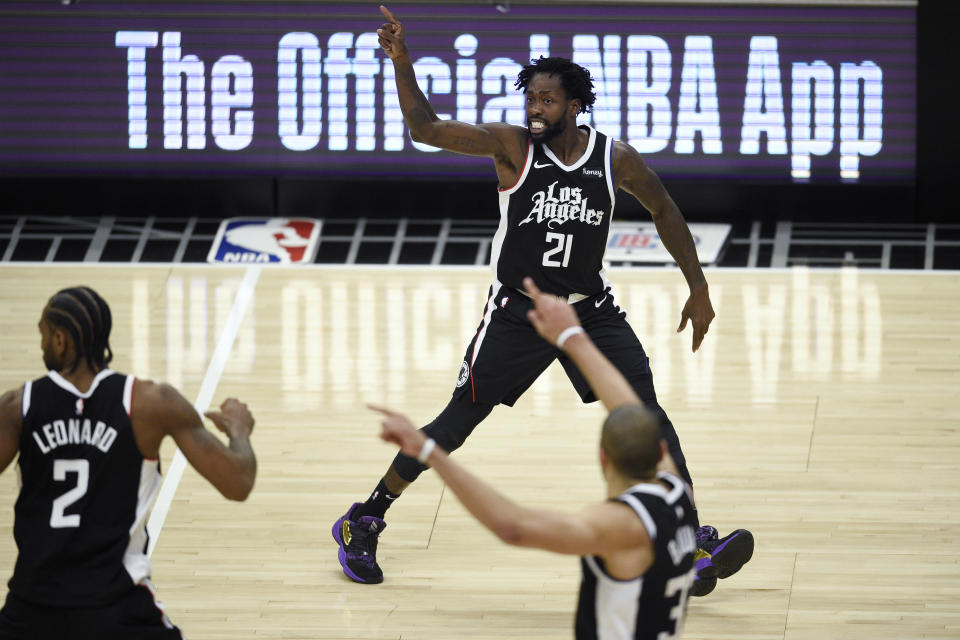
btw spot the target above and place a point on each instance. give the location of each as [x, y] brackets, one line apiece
[822, 413]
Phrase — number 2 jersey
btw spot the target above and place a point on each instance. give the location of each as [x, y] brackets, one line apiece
[555, 221]
[654, 605]
[86, 490]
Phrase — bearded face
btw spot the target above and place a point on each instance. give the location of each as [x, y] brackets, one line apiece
[543, 131]
[547, 107]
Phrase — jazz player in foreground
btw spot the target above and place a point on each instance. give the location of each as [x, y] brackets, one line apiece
[557, 188]
[636, 547]
[89, 444]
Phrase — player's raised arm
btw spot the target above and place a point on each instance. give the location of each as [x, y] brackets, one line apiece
[484, 140]
[159, 408]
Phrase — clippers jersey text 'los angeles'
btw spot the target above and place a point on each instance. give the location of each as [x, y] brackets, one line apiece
[80, 518]
[554, 223]
[653, 606]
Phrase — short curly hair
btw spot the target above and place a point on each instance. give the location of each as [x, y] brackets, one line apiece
[577, 81]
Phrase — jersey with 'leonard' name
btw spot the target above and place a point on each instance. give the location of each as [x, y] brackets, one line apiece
[555, 222]
[80, 518]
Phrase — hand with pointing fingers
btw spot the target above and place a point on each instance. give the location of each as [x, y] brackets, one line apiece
[398, 429]
[392, 37]
[550, 315]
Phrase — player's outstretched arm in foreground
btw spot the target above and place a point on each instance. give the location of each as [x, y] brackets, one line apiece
[600, 529]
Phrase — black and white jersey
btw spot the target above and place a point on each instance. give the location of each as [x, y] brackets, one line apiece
[555, 222]
[653, 606]
[80, 518]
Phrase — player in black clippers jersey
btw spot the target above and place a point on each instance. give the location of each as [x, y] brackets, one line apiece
[88, 440]
[637, 547]
[558, 184]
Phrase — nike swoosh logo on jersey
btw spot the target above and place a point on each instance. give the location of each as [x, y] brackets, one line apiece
[599, 302]
[537, 165]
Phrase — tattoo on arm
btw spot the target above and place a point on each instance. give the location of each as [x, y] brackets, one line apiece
[461, 142]
[418, 116]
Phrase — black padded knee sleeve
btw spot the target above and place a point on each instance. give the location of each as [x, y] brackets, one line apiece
[450, 429]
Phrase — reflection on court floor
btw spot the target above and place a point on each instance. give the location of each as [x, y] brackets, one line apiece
[344, 334]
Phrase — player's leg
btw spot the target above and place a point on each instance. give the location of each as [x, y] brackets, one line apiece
[502, 360]
[358, 530]
[610, 331]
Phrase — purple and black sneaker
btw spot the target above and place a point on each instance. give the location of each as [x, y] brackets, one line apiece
[719, 557]
[358, 546]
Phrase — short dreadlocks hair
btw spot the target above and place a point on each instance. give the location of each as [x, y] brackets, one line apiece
[577, 82]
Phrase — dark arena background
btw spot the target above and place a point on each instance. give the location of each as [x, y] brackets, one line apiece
[817, 130]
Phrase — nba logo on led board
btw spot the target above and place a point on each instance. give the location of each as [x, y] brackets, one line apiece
[266, 240]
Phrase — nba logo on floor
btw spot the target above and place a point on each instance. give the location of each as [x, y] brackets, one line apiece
[266, 240]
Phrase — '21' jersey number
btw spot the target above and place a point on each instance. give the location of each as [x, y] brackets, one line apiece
[564, 243]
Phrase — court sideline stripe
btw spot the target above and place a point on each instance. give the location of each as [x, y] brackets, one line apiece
[210, 381]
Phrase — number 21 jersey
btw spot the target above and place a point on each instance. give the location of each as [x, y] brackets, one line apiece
[555, 221]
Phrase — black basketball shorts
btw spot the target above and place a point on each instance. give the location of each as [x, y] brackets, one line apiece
[506, 355]
[136, 615]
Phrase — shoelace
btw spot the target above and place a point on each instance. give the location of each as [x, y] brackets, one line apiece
[705, 534]
[364, 545]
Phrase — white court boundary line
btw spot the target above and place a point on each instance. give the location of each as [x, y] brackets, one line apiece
[210, 381]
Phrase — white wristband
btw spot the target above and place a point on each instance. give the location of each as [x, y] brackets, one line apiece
[566, 333]
[428, 447]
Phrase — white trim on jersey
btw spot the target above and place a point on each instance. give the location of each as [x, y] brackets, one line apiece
[650, 488]
[504, 196]
[66, 385]
[680, 486]
[641, 512]
[487, 313]
[581, 160]
[615, 604]
[128, 395]
[608, 169]
[146, 584]
[27, 391]
[135, 559]
[670, 497]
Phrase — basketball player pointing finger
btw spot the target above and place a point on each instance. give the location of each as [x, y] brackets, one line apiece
[558, 185]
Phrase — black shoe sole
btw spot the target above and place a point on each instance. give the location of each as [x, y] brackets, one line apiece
[734, 554]
[702, 587]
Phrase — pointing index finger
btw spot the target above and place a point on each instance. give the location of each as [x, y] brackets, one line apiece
[388, 15]
[385, 411]
[531, 287]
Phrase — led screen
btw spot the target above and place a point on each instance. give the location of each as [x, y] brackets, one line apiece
[758, 93]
